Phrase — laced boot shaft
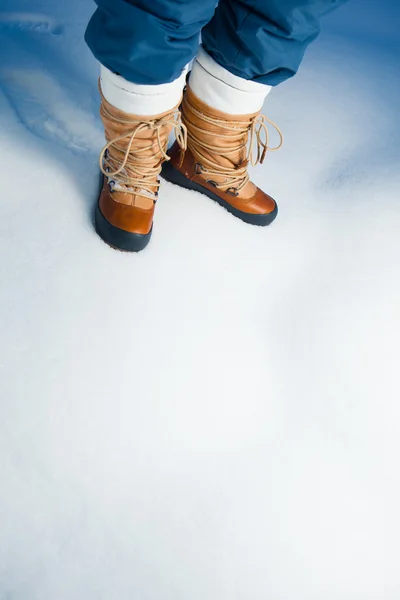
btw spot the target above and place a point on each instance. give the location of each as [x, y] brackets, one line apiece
[134, 152]
[223, 146]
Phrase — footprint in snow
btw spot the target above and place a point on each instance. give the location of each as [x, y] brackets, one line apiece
[38, 23]
[46, 110]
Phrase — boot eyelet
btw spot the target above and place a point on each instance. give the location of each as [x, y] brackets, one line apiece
[213, 183]
[232, 191]
[197, 169]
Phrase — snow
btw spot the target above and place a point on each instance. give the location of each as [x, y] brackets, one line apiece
[217, 417]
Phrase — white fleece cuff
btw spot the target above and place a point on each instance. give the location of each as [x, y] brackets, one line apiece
[223, 90]
[141, 100]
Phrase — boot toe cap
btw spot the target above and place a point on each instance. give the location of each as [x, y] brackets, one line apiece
[122, 226]
[261, 203]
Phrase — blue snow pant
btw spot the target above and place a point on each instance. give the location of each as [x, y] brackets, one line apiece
[150, 41]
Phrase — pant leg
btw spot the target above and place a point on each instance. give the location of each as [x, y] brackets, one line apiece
[147, 42]
[264, 40]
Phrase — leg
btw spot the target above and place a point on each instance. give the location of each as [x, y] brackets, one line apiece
[264, 40]
[248, 46]
[143, 48]
[147, 42]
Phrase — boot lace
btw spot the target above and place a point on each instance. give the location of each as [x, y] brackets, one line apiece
[253, 142]
[138, 172]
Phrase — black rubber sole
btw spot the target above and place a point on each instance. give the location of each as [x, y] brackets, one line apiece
[173, 176]
[118, 238]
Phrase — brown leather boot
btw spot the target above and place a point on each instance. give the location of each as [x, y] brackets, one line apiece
[131, 163]
[220, 148]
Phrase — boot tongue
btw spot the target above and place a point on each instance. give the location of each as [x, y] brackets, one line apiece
[223, 138]
[230, 144]
[145, 156]
[145, 146]
[132, 199]
[141, 198]
[226, 141]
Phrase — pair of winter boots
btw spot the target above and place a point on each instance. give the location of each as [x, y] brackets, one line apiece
[211, 155]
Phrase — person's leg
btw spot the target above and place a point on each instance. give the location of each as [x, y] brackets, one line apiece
[264, 40]
[143, 48]
[248, 46]
[147, 42]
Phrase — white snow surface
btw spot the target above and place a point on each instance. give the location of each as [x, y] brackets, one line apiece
[217, 417]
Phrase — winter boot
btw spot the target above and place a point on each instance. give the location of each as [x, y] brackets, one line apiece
[220, 146]
[131, 162]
